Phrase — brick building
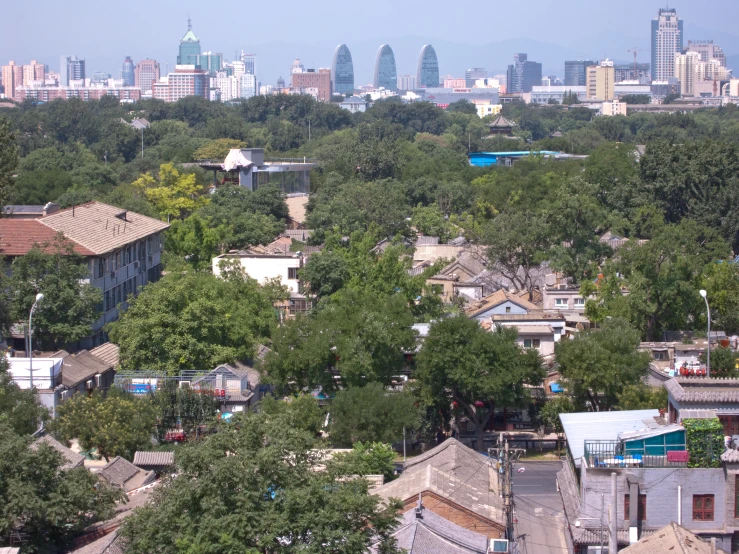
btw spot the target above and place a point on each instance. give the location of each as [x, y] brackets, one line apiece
[317, 84]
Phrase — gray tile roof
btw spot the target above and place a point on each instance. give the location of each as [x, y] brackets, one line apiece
[118, 471]
[147, 459]
[432, 534]
[703, 389]
[454, 472]
[73, 459]
[81, 367]
[108, 352]
[730, 456]
[671, 539]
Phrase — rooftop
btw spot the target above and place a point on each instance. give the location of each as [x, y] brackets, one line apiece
[496, 299]
[18, 236]
[703, 389]
[146, 459]
[672, 539]
[72, 459]
[123, 474]
[108, 352]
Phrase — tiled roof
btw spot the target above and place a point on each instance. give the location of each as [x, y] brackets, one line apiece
[81, 367]
[432, 534]
[18, 236]
[454, 472]
[496, 299]
[671, 539]
[703, 389]
[102, 228]
[533, 315]
[143, 459]
[425, 240]
[108, 352]
[301, 235]
[731, 456]
[73, 459]
[501, 121]
[534, 329]
[118, 471]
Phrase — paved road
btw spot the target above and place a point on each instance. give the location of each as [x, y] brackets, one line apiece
[539, 509]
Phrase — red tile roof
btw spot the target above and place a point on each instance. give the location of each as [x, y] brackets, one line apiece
[18, 236]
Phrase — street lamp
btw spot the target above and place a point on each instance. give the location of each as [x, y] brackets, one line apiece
[39, 298]
[708, 351]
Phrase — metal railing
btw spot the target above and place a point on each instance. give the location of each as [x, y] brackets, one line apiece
[612, 454]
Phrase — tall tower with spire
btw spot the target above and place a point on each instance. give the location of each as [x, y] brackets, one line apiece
[189, 48]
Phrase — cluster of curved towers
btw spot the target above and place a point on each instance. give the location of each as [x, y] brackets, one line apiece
[386, 74]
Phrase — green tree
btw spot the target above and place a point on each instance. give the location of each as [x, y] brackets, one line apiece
[369, 458]
[193, 321]
[551, 410]
[19, 408]
[217, 149]
[598, 363]
[724, 362]
[173, 195]
[303, 412]
[372, 414]
[429, 220]
[175, 406]
[40, 187]
[463, 365]
[357, 336]
[42, 501]
[118, 424]
[194, 241]
[69, 307]
[721, 282]
[642, 397]
[8, 160]
[250, 487]
[325, 273]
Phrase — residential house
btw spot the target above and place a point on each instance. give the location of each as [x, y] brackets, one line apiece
[564, 297]
[84, 372]
[122, 250]
[501, 302]
[421, 531]
[154, 461]
[237, 385]
[672, 539]
[455, 483]
[654, 485]
[720, 397]
[431, 248]
[124, 475]
[108, 352]
[71, 459]
[460, 278]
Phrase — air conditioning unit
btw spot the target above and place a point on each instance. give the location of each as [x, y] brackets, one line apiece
[136, 264]
[498, 545]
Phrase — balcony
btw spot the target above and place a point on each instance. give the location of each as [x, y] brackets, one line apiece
[625, 454]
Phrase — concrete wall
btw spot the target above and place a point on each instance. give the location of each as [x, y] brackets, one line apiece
[501, 310]
[264, 268]
[661, 488]
[550, 296]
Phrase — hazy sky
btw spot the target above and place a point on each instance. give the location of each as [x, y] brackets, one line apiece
[104, 32]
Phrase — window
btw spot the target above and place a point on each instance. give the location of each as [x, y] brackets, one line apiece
[702, 507]
[292, 272]
[560, 303]
[101, 267]
[641, 512]
[507, 309]
[531, 343]
[579, 302]
[658, 355]
[736, 496]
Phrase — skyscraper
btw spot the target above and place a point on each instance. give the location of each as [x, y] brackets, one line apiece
[146, 74]
[250, 63]
[342, 71]
[576, 72]
[247, 85]
[523, 75]
[601, 81]
[472, 75]
[386, 74]
[33, 72]
[12, 76]
[127, 74]
[189, 48]
[427, 74]
[211, 62]
[406, 82]
[667, 39]
[708, 51]
[75, 70]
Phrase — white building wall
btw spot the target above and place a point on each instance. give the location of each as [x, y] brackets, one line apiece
[265, 268]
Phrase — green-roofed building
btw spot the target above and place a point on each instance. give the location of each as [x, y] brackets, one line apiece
[189, 48]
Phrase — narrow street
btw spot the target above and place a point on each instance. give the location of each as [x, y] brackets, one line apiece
[539, 513]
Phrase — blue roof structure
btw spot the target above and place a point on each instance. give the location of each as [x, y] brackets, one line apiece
[486, 159]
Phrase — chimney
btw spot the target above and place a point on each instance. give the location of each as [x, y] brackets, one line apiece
[419, 507]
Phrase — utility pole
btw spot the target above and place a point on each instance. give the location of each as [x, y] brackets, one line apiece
[507, 457]
[613, 534]
[602, 507]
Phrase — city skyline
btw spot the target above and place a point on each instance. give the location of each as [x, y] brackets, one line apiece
[546, 37]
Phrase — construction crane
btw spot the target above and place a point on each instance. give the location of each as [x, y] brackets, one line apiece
[635, 50]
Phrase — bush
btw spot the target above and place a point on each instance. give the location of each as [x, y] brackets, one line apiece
[704, 441]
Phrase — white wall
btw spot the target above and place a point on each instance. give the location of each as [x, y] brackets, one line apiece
[263, 268]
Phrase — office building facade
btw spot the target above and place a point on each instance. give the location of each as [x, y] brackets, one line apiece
[250, 63]
[386, 73]
[71, 68]
[407, 82]
[600, 84]
[707, 50]
[427, 73]
[127, 72]
[189, 53]
[667, 40]
[247, 85]
[576, 72]
[187, 80]
[342, 71]
[146, 73]
[212, 62]
[629, 72]
[315, 83]
[523, 75]
[474, 74]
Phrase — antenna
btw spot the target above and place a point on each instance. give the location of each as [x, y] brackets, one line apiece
[189, 22]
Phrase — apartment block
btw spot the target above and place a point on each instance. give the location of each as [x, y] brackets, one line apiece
[601, 81]
[187, 80]
[317, 84]
[146, 73]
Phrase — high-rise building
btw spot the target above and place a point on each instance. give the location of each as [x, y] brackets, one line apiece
[576, 72]
[317, 84]
[99, 77]
[33, 72]
[280, 83]
[626, 72]
[189, 48]
[250, 63]
[427, 73]
[247, 85]
[297, 66]
[386, 74]
[238, 68]
[342, 71]
[684, 68]
[71, 68]
[407, 82]
[63, 77]
[212, 62]
[187, 80]
[12, 78]
[127, 74]
[600, 81]
[472, 75]
[146, 74]
[708, 51]
[667, 39]
[523, 75]
[698, 77]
